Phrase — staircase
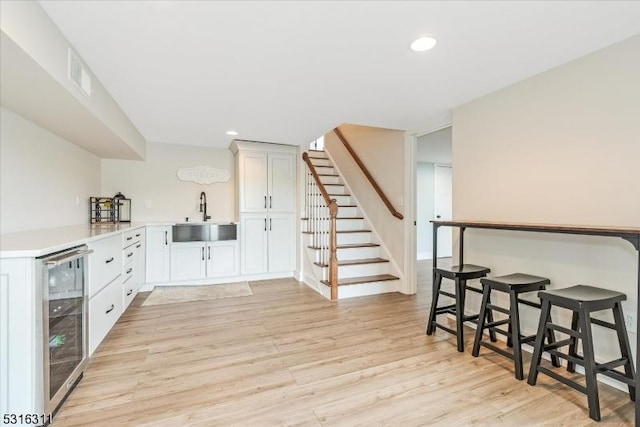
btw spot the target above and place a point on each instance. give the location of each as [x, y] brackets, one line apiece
[363, 267]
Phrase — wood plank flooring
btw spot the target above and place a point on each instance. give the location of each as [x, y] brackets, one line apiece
[287, 356]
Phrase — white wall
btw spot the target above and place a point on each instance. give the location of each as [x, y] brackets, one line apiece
[26, 23]
[41, 175]
[424, 209]
[171, 199]
[382, 152]
[562, 147]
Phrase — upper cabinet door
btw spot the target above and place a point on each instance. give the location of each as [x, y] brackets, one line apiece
[253, 182]
[282, 184]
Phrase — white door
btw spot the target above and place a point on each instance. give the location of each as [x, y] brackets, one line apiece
[282, 185]
[221, 259]
[188, 261]
[253, 237]
[253, 179]
[158, 254]
[281, 247]
[442, 207]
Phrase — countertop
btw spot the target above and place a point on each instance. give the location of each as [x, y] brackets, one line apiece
[36, 243]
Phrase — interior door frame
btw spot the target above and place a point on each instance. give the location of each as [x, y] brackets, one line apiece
[410, 282]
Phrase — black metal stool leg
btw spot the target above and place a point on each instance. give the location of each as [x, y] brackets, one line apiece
[514, 314]
[551, 338]
[434, 303]
[589, 365]
[460, 294]
[537, 347]
[625, 347]
[490, 319]
[482, 319]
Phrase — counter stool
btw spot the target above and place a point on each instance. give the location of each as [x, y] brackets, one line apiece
[582, 301]
[514, 285]
[459, 274]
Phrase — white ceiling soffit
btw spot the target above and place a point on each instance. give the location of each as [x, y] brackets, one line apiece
[287, 72]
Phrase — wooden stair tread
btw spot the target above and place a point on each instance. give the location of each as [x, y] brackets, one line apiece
[363, 279]
[339, 217]
[328, 174]
[339, 231]
[355, 262]
[350, 246]
[316, 151]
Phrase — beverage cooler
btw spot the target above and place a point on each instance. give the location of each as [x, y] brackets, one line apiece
[64, 323]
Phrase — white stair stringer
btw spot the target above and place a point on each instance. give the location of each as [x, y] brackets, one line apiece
[364, 266]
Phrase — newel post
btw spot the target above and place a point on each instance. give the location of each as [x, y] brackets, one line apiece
[333, 248]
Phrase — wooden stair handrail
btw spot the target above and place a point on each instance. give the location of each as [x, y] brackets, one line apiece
[333, 235]
[366, 173]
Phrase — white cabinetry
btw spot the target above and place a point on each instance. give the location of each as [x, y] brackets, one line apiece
[203, 260]
[133, 264]
[266, 191]
[158, 254]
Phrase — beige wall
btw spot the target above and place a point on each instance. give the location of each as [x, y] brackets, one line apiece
[561, 147]
[382, 152]
[155, 180]
[41, 175]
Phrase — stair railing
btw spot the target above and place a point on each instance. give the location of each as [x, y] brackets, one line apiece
[366, 173]
[321, 212]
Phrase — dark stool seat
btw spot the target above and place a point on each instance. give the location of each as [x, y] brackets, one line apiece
[514, 285]
[459, 274]
[582, 301]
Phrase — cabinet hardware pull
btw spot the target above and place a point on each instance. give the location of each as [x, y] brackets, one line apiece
[265, 224]
[137, 246]
[209, 252]
[203, 253]
[165, 238]
[129, 238]
[130, 254]
[269, 202]
[270, 224]
[110, 309]
[138, 235]
[109, 260]
[129, 271]
[265, 202]
[130, 292]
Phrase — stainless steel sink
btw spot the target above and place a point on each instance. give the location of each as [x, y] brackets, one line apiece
[202, 232]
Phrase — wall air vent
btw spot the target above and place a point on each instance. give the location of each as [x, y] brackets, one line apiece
[78, 73]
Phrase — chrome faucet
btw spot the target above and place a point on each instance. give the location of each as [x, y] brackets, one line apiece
[203, 206]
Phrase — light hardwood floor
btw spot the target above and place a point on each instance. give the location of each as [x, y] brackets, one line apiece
[287, 356]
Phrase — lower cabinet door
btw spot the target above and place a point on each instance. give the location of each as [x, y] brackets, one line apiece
[188, 261]
[253, 232]
[104, 310]
[281, 229]
[222, 259]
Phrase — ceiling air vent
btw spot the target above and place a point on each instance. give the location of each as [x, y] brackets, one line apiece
[78, 73]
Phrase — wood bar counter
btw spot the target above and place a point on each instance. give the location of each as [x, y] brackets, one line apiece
[630, 234]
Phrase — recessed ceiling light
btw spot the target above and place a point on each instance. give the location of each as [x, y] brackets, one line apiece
[423, 43]
[232, 132]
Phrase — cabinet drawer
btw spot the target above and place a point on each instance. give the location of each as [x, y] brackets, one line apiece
[129, 255]
[132, 236]
[105, 263]
[129, 290]
[104, 310]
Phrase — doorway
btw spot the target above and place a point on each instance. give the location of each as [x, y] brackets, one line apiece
[433, 192]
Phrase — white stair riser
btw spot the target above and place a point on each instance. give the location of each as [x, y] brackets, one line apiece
[325, 170]
[359, 270]
[359, 253]
[346, 211]
[348, 254]
[349, 238]
[320, 162]
[342, 224]
[341, 200]
[335, 188]
[328, 180]
[322, 154]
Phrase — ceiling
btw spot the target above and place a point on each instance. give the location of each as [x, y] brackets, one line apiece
[287, 72]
